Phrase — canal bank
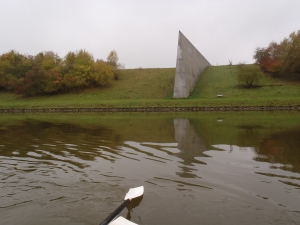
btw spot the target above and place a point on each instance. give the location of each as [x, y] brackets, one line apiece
[152, 109]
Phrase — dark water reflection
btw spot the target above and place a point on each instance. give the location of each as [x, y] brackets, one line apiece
[282, 148]
[196, 168]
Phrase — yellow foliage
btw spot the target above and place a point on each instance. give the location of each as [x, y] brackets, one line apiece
[103, 73]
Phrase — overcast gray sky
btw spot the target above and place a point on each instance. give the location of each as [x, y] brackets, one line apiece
[145, 33]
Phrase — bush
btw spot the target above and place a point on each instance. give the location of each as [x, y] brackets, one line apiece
[248, 75]
[103, 73]
[47, 73]
[44, 76]
[33, 83]
[54, 82]
[8, 82]
[13, 67]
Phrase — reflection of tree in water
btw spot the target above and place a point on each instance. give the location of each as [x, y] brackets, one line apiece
[249, 135]
[49, 141]
[283, 148]
[190, 144]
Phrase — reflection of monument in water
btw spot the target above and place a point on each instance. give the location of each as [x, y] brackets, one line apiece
[190, 144]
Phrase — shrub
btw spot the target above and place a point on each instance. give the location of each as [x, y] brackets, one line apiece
[77, 69]
[33, 83]
[103, 73]
[13, 67]
[248, 75]
[54, 82]
[47, 73]
[44, 76]
[8, 82]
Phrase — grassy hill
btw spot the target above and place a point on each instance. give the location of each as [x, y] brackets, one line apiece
[154, 87]
[222, 80]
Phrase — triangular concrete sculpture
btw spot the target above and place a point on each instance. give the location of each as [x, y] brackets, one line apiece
[189, 67]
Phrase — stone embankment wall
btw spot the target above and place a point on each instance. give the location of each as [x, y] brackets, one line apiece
[189, 67]
[153, 109]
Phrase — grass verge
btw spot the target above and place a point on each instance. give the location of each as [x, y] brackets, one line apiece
[154, 88]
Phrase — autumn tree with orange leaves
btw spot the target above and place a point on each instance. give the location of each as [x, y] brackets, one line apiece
[281, 59]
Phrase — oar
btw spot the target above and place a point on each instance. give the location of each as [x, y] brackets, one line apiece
[132, 193]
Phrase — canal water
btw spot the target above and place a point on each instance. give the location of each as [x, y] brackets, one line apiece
[197, 168]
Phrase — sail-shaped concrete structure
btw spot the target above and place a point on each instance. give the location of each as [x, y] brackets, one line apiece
[189, 67]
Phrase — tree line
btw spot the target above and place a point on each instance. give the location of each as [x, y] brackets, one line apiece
[281, 59]
[47, 73]
[278, 59]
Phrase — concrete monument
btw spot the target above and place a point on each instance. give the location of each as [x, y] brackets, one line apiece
[189, 67]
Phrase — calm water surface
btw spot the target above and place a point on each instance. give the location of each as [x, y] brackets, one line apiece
[200, 168]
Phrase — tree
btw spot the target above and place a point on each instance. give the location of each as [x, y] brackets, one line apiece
[13, 66]
[281, 59]
[43, 77]
[77, 69]
[291, 54]
[50, 60]
[16, 64]
[68, 62]
[33, 83]
[248, 75]
[113, 59]
[269, 58]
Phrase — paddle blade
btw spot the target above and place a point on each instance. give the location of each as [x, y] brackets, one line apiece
[122, 221]
[134, 193]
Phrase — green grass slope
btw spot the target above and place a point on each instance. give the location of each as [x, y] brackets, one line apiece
[154, 87]
[221, 80]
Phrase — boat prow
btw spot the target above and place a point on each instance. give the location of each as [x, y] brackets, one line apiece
[122, 221]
